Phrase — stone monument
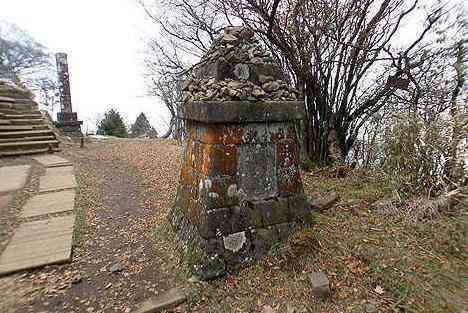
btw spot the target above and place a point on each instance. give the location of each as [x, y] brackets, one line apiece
[67, 120]
[240, 188]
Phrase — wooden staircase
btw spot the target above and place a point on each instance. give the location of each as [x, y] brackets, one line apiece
[23, 129]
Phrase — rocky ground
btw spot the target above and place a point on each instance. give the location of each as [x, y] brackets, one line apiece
[124, 255]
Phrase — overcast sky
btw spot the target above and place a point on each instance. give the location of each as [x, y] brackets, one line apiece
[104, 40]
[104, 43]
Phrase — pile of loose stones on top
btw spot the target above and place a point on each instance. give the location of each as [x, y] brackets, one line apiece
[243, 52]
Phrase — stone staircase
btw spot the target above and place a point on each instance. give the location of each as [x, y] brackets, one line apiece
[23, 129]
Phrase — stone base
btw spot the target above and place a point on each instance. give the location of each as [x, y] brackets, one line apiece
[68, 123]
[240, 187]
[214, 257]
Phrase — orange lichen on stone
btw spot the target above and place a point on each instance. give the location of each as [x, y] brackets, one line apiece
[211, 134]
[218, 160]
[233, 135]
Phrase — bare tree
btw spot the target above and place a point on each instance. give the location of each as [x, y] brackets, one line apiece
[186, 30]
[23, 59]
[170, 92]
[339, 53]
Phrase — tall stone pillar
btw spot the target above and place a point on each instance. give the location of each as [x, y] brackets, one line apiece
[240, 188]
[67, 120]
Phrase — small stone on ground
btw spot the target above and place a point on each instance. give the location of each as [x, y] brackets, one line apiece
[320, 284]
[170, 299]
[370, 308]
[268, 309]
[116, 268]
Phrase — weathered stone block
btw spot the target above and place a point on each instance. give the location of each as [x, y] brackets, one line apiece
[257, 172]
[262, 240]
[242, 154]
[239, 219]
[192, 155]
[282, 131]
[273, 211]
[287, 153]
[192, 130]
[320, 284]
[212, 246]
[210, 134]
[248, 133]
[245, 217]
[237, 250]
[218, 160]
[243, 111]
[284, 230]
[215, 223]
[234, 134]
[298, 206]
[163, 302]
[222, 70]
[289, 180]
[218, 192]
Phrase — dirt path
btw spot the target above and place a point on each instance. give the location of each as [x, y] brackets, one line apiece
[115, 264]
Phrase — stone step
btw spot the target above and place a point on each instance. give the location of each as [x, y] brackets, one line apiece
[5, 105]
[36, 138]
[20, 116]
[27, 151]
[18, 106]
[27, 121]
[5, 146]
[38, 243]
[8, 128]
[14, 111]
[5, 122]
[6, 100]
[28, 133]
[28, 147]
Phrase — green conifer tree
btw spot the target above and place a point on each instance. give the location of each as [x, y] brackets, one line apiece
[112, 125]
[142, 127]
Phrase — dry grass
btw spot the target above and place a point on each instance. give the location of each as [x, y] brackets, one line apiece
[368, 257]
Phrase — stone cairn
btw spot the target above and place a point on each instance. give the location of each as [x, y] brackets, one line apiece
[240, 188]
[23, 128]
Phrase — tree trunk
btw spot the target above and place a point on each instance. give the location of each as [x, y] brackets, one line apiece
[325, 139]
[454, 166]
